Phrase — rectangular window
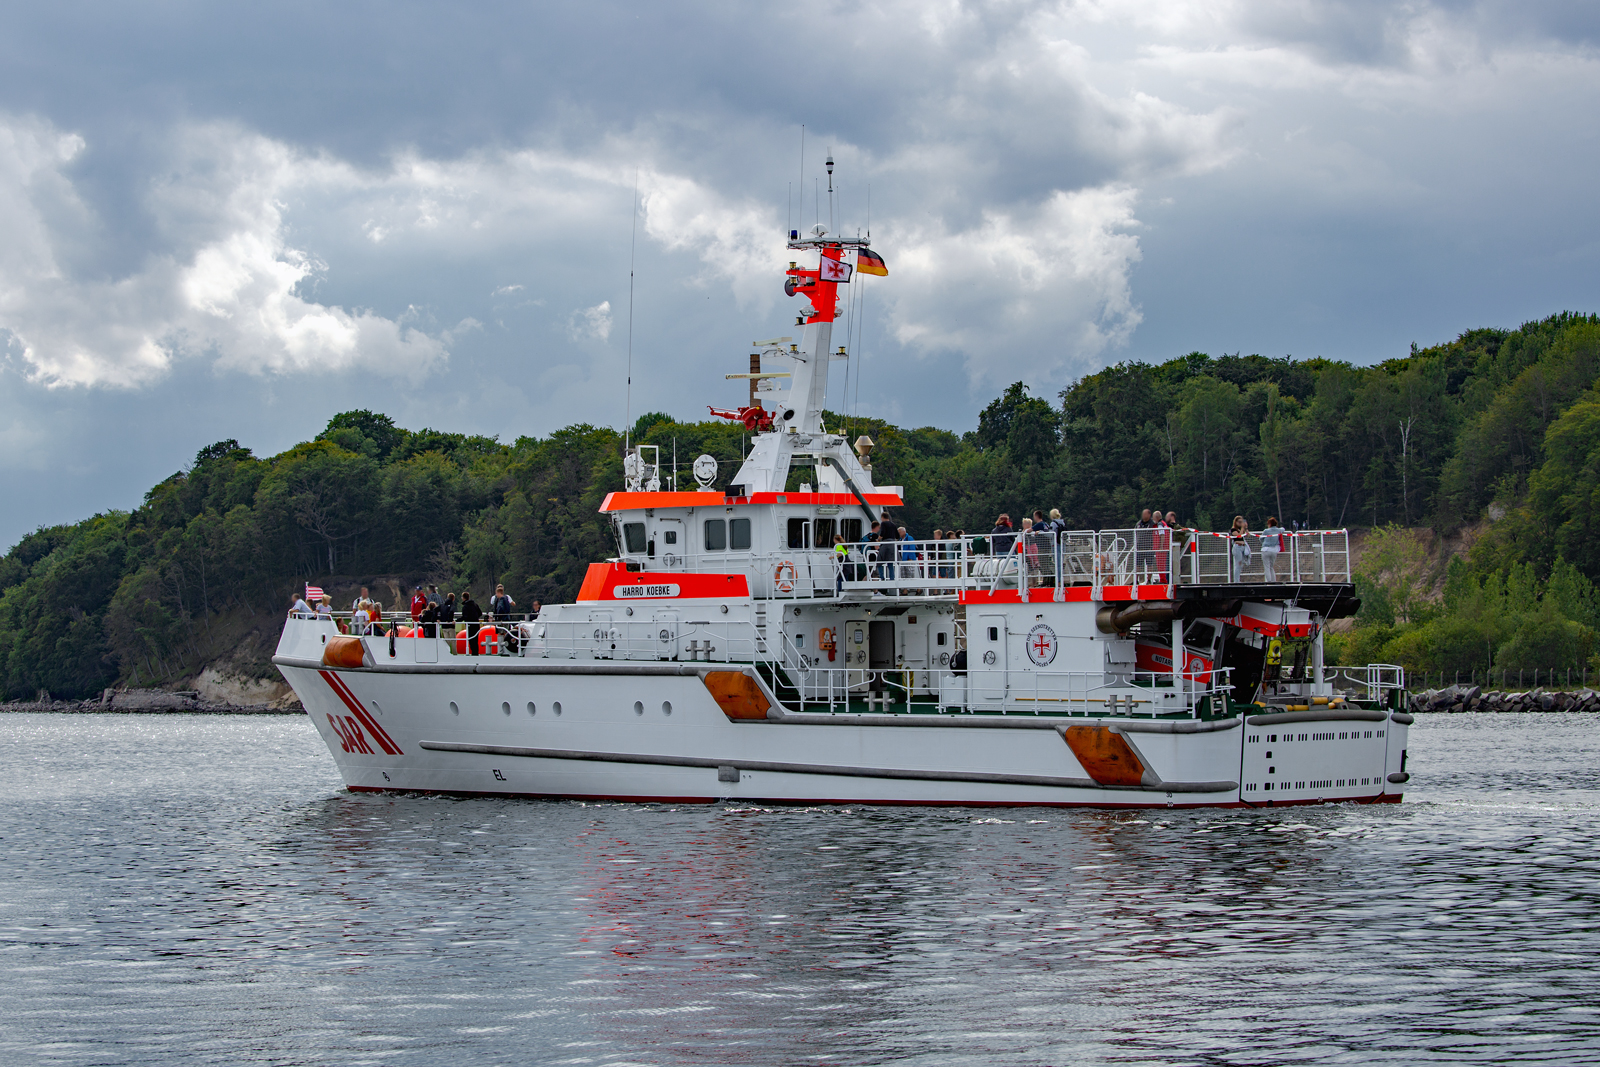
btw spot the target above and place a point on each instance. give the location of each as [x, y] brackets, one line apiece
[797, 533]
[671, 536]
[716, 535]
[822, 533]
[939, 639]
[633, 536]
[850, 529]
[994, 633]
[738, 534]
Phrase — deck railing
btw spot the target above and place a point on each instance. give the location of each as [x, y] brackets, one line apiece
[814, 682]
[1053, 560]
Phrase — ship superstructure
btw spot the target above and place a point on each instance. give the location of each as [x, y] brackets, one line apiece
[733, 649]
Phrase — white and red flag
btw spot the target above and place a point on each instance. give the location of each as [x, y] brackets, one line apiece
[313, 594]
[835, 270]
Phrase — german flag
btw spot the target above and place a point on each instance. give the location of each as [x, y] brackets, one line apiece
[869, 262]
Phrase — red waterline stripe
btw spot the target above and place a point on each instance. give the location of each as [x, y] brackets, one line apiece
[350, 701]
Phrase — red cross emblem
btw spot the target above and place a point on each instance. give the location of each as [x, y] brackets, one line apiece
[1041, 645]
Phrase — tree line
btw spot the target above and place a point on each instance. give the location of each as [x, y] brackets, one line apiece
[1496, 433]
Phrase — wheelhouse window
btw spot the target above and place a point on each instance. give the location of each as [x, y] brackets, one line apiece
[738, 534]
[633, 538]
[822, 533]
[797, 533]
[850, 529]
[717, 535]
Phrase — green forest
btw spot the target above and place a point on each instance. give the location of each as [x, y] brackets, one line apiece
[1489, 443]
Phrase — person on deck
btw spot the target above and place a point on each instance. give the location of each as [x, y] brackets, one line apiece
[1002, 537]
[418, 604]
[361, 598]
[429, 620]
[1144, 557]
[472, 615]
[888, 547]
[869, 553]
[325, 607]
[299, 609]
[841, 560]
[502, 609]
[1274, 539]
[1239, 546]
[447, 616]
[1162, 545]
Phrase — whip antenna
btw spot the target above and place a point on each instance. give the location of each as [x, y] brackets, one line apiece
[633, 245]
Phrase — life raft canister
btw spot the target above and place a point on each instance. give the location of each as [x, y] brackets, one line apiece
[488, 642]
[828, 641]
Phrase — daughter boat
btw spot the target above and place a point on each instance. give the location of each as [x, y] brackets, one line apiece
[729, 651]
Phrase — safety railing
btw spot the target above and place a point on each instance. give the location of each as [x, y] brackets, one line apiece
[1055, 559]
[805, 679]
[1371, 681]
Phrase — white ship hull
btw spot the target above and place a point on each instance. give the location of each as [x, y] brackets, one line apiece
[508, 726]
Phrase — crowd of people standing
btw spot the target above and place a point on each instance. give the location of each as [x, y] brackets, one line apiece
[433, 614]
[889, 549]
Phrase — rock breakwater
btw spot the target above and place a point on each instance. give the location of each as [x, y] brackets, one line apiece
[1465, 698]
[141, 701]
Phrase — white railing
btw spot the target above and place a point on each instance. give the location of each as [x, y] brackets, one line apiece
[815, 680]
[1373, 680]
[1097, 558]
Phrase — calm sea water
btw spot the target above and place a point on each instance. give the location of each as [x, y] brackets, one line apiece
[199, 890]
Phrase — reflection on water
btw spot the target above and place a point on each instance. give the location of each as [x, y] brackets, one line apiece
[195, 889]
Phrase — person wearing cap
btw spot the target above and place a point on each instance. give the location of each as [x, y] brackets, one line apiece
[419, 604]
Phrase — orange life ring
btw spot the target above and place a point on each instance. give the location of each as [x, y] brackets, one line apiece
[785, 585]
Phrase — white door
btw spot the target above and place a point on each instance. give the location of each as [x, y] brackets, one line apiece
[604, 639]
[666, 626]
[986, 661]
[671, 544]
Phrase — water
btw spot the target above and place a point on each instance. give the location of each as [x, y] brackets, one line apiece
[199, 890]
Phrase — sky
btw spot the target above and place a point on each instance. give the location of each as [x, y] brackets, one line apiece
[233, 221]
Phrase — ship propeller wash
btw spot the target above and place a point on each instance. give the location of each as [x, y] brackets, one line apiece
[731, 651]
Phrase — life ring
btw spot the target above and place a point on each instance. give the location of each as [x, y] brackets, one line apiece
[785, 584]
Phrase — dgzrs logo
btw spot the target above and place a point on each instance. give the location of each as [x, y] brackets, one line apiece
[351, 739]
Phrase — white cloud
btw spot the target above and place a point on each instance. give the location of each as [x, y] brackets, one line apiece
[592, 322]
[1030, 295]
[224, 286]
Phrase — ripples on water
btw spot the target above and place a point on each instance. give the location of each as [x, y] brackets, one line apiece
[199, 890]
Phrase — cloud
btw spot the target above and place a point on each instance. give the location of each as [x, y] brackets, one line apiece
[220, 282]
[588, 323]
[1032, 295]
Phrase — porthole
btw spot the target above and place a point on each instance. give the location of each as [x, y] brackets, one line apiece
[453, 709]
[505, 706]
[666, 707]
[531, 709]
[638, 707]
[555, 707]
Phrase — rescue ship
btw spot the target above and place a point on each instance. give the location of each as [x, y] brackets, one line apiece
[728, 652]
